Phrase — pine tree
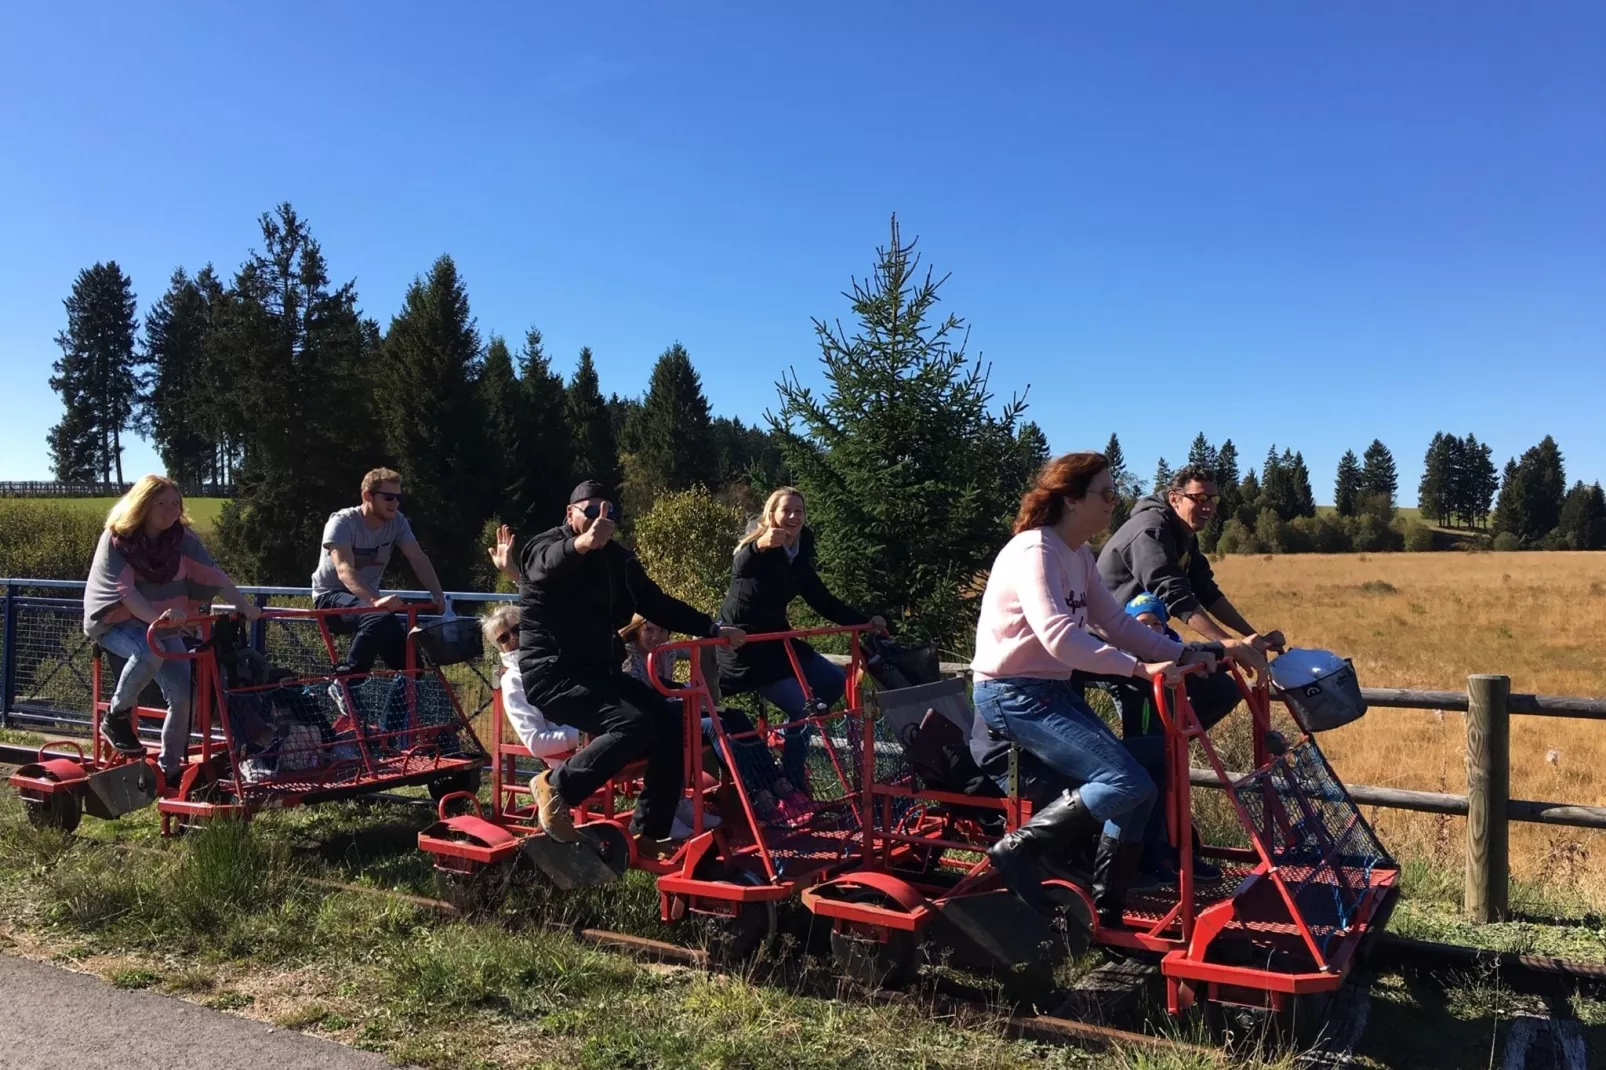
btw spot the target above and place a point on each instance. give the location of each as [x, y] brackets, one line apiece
[1302, 500]
[1347, 487]
[871, 459]
[1482, 480]
[1545, 485]
[596, 448]
[541, 468]
[1510, 514]
[745, 457]
[173, 399]
[435, 420]
[97, 376]
[1379, 478]
[1583, 518]
[300, 357]
[1456, 481]
[1033, 447]
[1249, 497]
[1162, 476]
[1125, 484]
[500, 400]
[1201, 454]
[673, 451]
[1231, 498]
[1436, 493]
[1277, 491]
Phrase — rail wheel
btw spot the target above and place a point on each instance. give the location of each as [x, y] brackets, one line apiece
[60, 810]
[463, 780]
[611, 843]
[876, 963]
[733, 940]
[479, 891]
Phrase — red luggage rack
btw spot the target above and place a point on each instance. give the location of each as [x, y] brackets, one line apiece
[427, 741]
[1285, 920]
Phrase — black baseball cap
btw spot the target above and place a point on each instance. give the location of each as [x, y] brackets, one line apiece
[591, 488]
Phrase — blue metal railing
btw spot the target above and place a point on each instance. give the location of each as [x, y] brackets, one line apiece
[46, 661]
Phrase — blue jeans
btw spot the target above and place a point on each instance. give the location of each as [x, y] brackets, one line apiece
[127, 640]
[828, 684]
[1049, 719]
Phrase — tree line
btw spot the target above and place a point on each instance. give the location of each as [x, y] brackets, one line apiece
[275, 381]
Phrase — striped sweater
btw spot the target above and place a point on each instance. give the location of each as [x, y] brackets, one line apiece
[111, 578]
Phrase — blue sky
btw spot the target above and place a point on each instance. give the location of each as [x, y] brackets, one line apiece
[1304, 224]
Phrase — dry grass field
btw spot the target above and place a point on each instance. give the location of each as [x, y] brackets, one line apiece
[1428, 621]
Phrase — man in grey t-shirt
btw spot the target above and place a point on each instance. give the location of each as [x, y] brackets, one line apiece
[357, 545]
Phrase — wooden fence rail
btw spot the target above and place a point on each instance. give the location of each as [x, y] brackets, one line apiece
[1489, 704]
[56, 489]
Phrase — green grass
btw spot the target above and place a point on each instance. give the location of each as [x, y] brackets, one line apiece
[203, 511]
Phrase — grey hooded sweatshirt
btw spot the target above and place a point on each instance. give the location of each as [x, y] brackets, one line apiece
[1155, 551]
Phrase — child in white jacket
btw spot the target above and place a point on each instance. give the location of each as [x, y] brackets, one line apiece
[546, 740]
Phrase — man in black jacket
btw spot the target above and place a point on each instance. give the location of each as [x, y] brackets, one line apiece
[1157, 550]
[576, 589]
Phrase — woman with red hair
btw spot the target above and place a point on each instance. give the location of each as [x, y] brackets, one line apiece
[1046, 614]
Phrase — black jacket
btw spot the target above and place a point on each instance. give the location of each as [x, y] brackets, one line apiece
[572, 605]
[1155, 551]
[763, 584]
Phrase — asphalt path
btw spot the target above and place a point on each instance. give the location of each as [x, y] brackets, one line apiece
[54, 1019]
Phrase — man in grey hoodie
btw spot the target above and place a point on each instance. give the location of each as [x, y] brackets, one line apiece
[1157, 550]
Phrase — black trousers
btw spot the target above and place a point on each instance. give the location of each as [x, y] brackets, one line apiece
[1212, 698]
[378, 636]
[626, 720]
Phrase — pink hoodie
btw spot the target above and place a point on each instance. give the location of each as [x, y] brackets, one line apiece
[1041, 601]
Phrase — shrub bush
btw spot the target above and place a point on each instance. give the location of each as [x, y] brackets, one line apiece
[685, 542]
[47, 540]
[1506, 541]
[1418, 537]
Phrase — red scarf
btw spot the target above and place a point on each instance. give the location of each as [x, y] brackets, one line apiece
[156, 560]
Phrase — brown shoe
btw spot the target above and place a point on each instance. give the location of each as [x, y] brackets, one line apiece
[551, 810]
[658, 850]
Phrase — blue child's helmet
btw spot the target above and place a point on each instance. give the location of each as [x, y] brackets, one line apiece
[1147, 603]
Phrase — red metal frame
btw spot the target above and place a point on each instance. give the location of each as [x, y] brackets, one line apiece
[1179, 925]
[208, 764]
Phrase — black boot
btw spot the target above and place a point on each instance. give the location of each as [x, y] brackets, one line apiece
[1015, 855]
[117, 728]
[1112, 878]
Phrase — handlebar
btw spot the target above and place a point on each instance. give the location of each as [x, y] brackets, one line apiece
[763, 637]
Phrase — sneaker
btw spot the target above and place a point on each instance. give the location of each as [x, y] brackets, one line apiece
[551, 811]
[685, 814]
[171, 778]
[658, 850]
[337, 695]
[118, 730]
[679, 830]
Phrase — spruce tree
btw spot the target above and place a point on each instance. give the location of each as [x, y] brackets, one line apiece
[1249, 498]
[1379, 478]
[1347, 487]
[909, 510]
[1583, 518]
[435, 419]
[499, 396]
[1545, 484]
[1276, 491]
[1162, 476]
[1482, 480]
[1201, 454]
[1436, 492]
[541, 467]
[1455, 487]
[1126, 485]
[301, 359]
[1302, 500]
[97, 376]
[673, 450]
[1227, 487]
[1510, 513]
[596, 449]
[174, 398]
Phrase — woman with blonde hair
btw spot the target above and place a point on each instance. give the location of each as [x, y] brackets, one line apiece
[545, 740]
[151, 568]
[774, 563]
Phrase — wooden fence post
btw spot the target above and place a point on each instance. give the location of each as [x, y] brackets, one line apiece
[1488, 792]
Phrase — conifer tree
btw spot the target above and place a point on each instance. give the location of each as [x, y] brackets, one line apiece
[596, 449]
[1249, 498]
[1301, 499]
[673, 448]
[1510, 511]
[1162, 476]
[1436, 490]
[541, 469]
[908, 510]
[174, 395]
[435, 419]
[1583, 518]
[1126, 485]
[1544, 487]
[1347, 487]
[97, 376]
[1379, 479]
[301, 359]
[1201, 454]
[500, 399]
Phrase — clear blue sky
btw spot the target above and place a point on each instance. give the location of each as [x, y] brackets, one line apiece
[1307, 224]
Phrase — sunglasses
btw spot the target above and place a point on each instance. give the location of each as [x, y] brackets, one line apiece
[505, 636]
[1109, 495]
[1200, 498]
[387, 495]
[596, 509]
